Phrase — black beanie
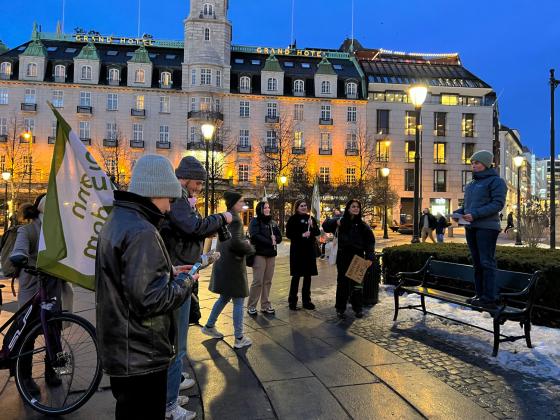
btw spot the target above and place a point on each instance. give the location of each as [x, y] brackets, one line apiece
[231, 197]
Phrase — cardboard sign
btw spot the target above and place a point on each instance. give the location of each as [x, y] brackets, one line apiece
[357, 269]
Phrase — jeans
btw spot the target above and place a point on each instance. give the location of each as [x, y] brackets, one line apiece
[482, 245]
[176, 366]
[140, 396]
[305, 290]
[440, 237]
[237, 313]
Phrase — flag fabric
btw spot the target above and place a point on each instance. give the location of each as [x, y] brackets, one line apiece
[79, 200]
[316, 201]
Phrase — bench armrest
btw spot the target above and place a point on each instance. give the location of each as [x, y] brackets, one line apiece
[532, 284]
[409, 275]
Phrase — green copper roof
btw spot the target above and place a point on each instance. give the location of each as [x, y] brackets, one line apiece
[325, 67]
[272, 64]
[88, 52]
[3, 47]
[140, 56]
[35, 49]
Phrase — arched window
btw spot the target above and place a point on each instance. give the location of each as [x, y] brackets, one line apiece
[114, 75]
[60, 71]
[206, 34]
[31, 70]
[325, 86]
[299, 86]
[351, 89]
[208, 9]
[139, 76]
[6, 68]
[245, 84]
[86, 72]
[272, 84]
[165, 79]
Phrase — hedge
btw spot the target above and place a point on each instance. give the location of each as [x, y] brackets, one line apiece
[526, 260]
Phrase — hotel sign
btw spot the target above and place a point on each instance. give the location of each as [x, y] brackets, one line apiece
[289, 51]
[121, 40]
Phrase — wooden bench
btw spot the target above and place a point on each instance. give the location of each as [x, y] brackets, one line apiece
[450, 282]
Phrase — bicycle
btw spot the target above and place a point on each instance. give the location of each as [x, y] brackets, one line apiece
[52, 354]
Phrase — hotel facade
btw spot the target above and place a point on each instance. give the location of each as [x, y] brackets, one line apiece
[279, 111]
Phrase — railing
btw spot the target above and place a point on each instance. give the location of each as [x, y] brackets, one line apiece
[29, 107]
[59, 79]
[3, 138]
[5, 76]
[163, 145]
[382, 158]
[51, 140]
[243, 148]
[298, 150]
[201, 145]
[86, 140]
[271, 149]
[351, 152]
[325, 151]
[22, 140]
[244, 90]
[114, 82]
[82, 109]
[325, 121]
[439, 161]
[137, 144]
[165, 85]
[272, 119]
[110, 142]
[138, 112]
[206, 115]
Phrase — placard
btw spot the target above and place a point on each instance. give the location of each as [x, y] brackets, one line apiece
[357, 269]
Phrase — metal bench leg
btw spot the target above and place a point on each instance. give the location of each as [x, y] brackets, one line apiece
[423, 303]
[396, 294]
[527, 329]
[496, 336]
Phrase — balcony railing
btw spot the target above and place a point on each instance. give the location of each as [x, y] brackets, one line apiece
[439, 161]
[137, 144]
[325, 151]
[3, 138]
[206, 115]
[110, 142]
[201, 145]
[163, 145]
[165, 85]
[113, 82]
[86, 140]
[298, 150]
[439, 133]
[271, 149]
[83, 109]
[325, 121]
[22, 140]
[59, 79]
[29, 107]
[243, 148]
[382, 158]
[244, 90]
[272, 119]
[51, 140]
[5, 76]
[351, 152]
[138, 112]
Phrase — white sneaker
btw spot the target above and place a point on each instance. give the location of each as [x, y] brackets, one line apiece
[212, 332]
[185, 374]
[242, 342]
[182, 400]
[186, 384]
[251, 310]
[179, 413]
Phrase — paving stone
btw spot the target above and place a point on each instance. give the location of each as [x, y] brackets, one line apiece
[363, 351]
[304, 398]
[374, 401]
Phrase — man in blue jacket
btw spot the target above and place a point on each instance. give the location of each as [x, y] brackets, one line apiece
[485, 197]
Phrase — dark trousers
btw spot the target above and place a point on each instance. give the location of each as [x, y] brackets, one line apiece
[482, 245]
[348, 289]
[141, 396]
[305, 290]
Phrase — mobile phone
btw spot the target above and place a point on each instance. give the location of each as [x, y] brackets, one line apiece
[194, 269]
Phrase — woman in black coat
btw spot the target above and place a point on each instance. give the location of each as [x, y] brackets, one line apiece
[355, 237]
[302, 230]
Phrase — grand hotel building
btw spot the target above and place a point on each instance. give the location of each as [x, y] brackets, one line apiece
[153, 96]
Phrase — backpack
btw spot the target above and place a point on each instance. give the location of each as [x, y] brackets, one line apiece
[6, 247]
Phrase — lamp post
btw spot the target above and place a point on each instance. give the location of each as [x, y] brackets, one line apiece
[518, 162]
[207, 132]
[553, 85]
[417, 95]
[283, 180]
[385, 174]
[6, 176]
[28, 136]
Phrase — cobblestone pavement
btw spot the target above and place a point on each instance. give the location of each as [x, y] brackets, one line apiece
[504, 393]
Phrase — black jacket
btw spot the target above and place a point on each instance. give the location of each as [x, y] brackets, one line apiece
[135, 290]
[261, 233]
[441, 224]
[432, 222]
[302, 250]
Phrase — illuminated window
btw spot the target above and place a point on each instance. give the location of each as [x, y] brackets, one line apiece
[466, 178]
[324, 175]
[243, 172]
[325, 142]
[299, 87]
[298, 112]
[439, 123]
[164, 134]
[272, 109]
[86, 72]
[164, 104]
[140, 76]
[410, 123]
[244, 138]
[85, 98]
[439, 152]
[466, 153]
[84, 130]
[272, 84]
[352, 114]
[440, 181]
[382, 121]
[205, 76]
[351, 90]
[409, 179]
[244, 109]
[409, 151]
[32, 70]
[137, 132]
[139, 103]
[325, 87]
[206, 34]
[467, 124]
[60, 71]
[298, 139]
[29, 125]
[245, 84]
[5, 69]
[206, 103]
[58, 98]
[112, 102]
[166, 80]
[469, 100]
[382, 147]
[449, 99]
[378, 96]
[350, 175]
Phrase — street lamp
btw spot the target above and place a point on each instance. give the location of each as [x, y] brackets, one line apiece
[518, 162]
[553, 85]
[6, 176]
[28, 137]
[385, 174]
[283, 180]
[417, 94]
[207, 132]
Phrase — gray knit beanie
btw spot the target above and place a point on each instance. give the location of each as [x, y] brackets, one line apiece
[153, 177]
[483, 156]
[190, 168]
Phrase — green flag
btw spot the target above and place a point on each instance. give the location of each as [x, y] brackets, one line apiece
[79, 200]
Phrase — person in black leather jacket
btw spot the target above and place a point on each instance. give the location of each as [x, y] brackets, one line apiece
[355, 237]
[265, 237]
[137, 292]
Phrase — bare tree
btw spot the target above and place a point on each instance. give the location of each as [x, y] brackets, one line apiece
[221, 148]
[116, 158]
[534, 224]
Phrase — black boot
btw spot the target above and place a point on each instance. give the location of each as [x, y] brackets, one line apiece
[309, 305]
[51, 378]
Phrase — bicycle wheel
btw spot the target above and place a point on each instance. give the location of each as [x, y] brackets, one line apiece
[62, 385]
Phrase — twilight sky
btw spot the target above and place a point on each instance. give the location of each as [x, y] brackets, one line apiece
[510, 44]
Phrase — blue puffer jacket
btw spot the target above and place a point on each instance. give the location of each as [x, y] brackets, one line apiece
[485, 197]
